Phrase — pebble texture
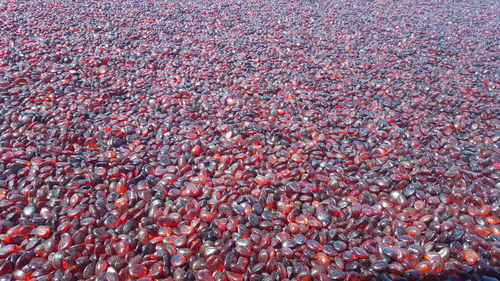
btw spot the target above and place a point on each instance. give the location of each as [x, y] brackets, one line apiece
[249, 140]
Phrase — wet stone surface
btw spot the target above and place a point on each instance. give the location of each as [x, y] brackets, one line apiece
[249, 140]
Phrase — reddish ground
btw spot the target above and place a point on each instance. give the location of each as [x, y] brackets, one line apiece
[249, 140]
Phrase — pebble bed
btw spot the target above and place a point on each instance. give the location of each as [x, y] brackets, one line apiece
[249, 140]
